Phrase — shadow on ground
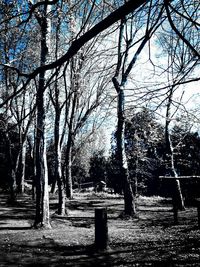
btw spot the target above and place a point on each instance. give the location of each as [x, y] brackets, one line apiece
[151, 239]
[48, 253]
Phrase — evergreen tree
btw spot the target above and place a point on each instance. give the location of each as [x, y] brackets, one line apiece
[98, 167]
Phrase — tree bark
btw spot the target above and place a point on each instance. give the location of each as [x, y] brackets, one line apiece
[23, 168]
[11, 170]
[57, 136]
[68, 155]
[169, 156]
[129, 201]
[41, 182]
[58, 165]
[68, 160]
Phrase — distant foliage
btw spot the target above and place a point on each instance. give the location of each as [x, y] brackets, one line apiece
[98, 167]
[187, 151]
[145, 148]
[113, 174]
[6, 127]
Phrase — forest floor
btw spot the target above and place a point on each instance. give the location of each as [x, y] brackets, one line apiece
[151, 239]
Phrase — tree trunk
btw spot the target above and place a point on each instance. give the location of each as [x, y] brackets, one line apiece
[129, 202]
[53, 185]
[23, 168]
[58, 165]
[177, 194]
[61, 190]
[169, 157]
[68, 156]
[57, 136]
[34, 167]
[68, 160]
[33, 162]
[41, 182]
[11, 170]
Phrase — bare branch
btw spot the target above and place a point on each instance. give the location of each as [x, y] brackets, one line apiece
[196, 53]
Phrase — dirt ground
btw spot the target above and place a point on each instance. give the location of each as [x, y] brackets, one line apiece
[151, 239]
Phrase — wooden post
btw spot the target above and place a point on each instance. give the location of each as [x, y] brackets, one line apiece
[101, 228]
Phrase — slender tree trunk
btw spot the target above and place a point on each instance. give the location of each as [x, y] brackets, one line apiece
[68, 156]
[20, 163]
[33, 163]
[34, 167]
[17, 166]
[42, 198]
[169, 156]
[42, 194]
[57, 136]
[58, 165]
[129, 201]
[68, 160]
[61, 188]
[53, 185]
[11, 170]
[23, 168]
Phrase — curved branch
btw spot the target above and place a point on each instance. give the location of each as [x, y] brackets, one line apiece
[166, 2]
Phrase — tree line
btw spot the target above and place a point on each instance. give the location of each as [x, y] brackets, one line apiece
[145, 150]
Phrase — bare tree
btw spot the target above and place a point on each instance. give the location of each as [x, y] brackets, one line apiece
[23, 112]
[123, 69]
[169, 153]
[83, 103]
